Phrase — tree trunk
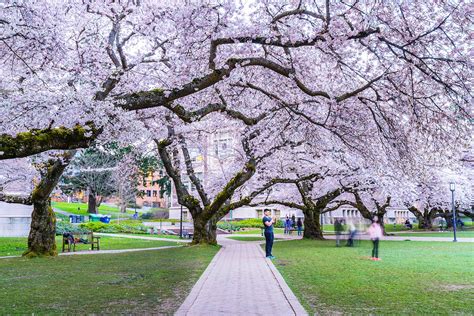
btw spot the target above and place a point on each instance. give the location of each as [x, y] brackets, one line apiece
[425, 221]
[312, 225]
[41, 240]
[123, 207]
[205, 230]
[99, 200]
[92, 203]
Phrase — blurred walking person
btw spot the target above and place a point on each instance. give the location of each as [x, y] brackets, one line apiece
[338, 229]
[299, 225]
[375, 233]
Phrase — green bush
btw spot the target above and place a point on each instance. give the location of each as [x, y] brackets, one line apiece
[148, 215]
[248, 223]
[123, 227]
[228, 226]
[66, 227]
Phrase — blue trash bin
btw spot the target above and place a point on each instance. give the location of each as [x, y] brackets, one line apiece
[81, 218]
[71, 218]
[105, 219]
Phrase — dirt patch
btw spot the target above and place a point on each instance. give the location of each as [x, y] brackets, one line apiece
[456, 287]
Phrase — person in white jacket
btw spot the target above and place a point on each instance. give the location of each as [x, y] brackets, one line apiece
[375, 233]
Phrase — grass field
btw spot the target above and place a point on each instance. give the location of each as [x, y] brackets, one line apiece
[140, 283]
[14, 246]
[73, 208]
[412, 278]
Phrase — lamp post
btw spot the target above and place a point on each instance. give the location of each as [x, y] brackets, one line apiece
[452, 187]
[231, 221]
[181, 222]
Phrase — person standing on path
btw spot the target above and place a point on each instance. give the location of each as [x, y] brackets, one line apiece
[268, 224]
[299, 224]
[375, 233]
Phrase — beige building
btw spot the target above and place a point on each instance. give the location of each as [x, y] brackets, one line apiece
[150, 192]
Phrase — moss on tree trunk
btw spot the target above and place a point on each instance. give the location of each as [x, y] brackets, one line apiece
[312, 225]
[205, 230]
[41, 240]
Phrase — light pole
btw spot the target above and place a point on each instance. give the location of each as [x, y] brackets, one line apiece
[181, 222]
[452, 187]
[231, 221]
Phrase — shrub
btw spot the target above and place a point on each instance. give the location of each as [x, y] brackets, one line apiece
[248, 223]
[227, 226]
[66, 227]
[123, 227]
[148, 215]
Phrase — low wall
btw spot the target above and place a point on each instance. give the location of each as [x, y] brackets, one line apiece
[15, 220]
[15, 226]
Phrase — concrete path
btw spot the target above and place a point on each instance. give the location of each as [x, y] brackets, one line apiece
[241, 281]
[411, 238]
[143, 237]
[366, 237]
[101, 252]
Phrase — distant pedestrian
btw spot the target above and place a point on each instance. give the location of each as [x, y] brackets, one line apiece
[352, 234]
[299, 224]
[375, 233]
[338, 229]
[268, 224]
[287, 225]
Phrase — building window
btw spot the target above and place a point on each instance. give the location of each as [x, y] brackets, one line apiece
[155, 193]
[148, 193]
[156, 204]
[276, 213]
[185, 215]
[259, 213]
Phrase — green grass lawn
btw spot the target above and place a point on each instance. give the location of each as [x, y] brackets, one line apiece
[14, 246]
[73, 208]
[140, 283]
[412, 278]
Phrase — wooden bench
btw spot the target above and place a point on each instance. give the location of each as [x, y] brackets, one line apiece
[80, 238]
[187, 234]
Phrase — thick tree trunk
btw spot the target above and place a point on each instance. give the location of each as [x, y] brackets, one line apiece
[425, 221]
[92, 202]
[41, 240]
[312, 225]
[205, 230]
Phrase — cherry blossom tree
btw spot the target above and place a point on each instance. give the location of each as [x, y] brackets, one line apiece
[375, 76]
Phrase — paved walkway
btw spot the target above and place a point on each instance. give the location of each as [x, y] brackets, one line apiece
[101, 252]
[240, 281]
[366, 237]
[143, 237]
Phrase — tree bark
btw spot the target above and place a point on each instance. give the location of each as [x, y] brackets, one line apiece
[41, 240]
[92, 202]
[205, 230]
[312, 225]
